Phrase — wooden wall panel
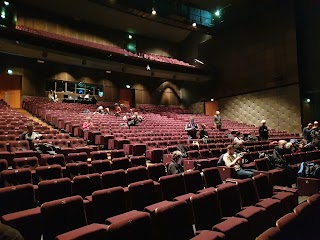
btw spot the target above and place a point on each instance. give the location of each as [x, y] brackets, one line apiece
[211, 108]
[10, 89]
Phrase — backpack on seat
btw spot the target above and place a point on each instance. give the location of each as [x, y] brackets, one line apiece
[220, 161]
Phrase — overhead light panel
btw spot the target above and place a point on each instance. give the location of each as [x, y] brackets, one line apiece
[6, 3]
[108, 71]
[128, 86]
[40, 61]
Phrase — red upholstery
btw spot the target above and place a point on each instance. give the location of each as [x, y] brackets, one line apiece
[49, 190]
[93, 231]
[85, 185]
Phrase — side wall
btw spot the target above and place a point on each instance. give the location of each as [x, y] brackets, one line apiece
[280, 107]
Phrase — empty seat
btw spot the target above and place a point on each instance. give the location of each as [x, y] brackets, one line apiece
[100, 166]
[3, 164]
[107, 203]
[16, 176]
[156, 171]
[120, 163]
[75, 169]
[78, 157]
[142, 194]
[136, 174]
[211, 177]
[193, 181]
[130, 225]
[16, 198]
[85, 185]
[114, 178]
[61, 216]
[138, 161]
[4, 153]
[54, 159]
[49, 190]
[27, 162]
[174, 214]
[99, 155]
[21, 149]
[194, 154]
[49, 172]
[117, 154]
[139, 149]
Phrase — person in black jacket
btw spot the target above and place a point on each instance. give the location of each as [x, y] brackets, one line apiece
[263, 131]
[175, 167]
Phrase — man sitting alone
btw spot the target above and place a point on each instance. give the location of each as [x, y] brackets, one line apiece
[175, 167]
[231, 159]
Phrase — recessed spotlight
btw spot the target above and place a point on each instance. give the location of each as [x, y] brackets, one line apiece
[308, 100]
[148, 67]
[40, 61]
[108, 71]
[6, 3]
[9, 71]
[217, 13]
[212, 99]
[128, 86]
[154, 12]
[130, 36]
[194, 24]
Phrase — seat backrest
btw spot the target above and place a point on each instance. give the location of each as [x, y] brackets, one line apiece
[85, 185]
[54, 159]
[156, 171]
[117, 154]
[142, 194]
[138, 161]
[27, 162]
[193, 181]
[114, 178]
[229, 199]
[16, 176]
[175, 214]
[137, 226]
[62, 215]
[16, 198]
[78, 157]
[99, 155]
[17, 146]
[172, 186]
[137, 174]
[76, 169]
[49, 172]
[211, 177]
[120, 163]
[108, 202]
[49, 190]
[100, 166]
[93, 231]
[3, 146]
[206, 210]
[262, 164]
[3, 164]
[248, 192]
[263, 186]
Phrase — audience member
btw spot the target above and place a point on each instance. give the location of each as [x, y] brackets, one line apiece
[231, 159]
[237, 138]
[315, 134]
[99, 110]
[107, 110]
[306, 132]
[134, 120]
[117, 110]
[9, 233]
[263, 131]
[217, 120]
[87, 124]
[30, 134]
[240, 147]
[204, 134]
[192, 129]
[175, 166]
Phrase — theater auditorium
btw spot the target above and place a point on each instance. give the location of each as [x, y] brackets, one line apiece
[159, 119]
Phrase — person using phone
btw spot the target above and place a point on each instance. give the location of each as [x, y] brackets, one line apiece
[175, 167]
[231, 159]
[192, 129]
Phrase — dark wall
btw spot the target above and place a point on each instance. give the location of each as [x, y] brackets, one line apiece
[257, 54]
[308, 36]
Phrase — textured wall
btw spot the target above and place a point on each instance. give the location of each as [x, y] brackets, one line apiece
[280, 107]
[197, 108]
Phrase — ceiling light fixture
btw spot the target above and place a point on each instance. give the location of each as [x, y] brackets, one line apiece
[130, 36]
[6, 3]
[194, 24]
[148, 67]
[9, 71]
[40, 61]
[108, 71]
[154, 12]
[198, 61]
[212, 99]
[128, 86]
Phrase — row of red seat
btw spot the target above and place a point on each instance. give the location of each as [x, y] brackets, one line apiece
[245, 204]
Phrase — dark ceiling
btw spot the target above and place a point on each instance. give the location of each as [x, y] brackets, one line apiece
[234, 11]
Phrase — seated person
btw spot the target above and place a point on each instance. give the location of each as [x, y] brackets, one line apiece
[134, 120]
[30, 134]
[240, 147]
[204, 134]
[191, 128]
[99, 110]
[107, 111]
[237, 138]
[117, 110]
[87, 124]
[175, 166]
[9, 233]
[231, 159]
